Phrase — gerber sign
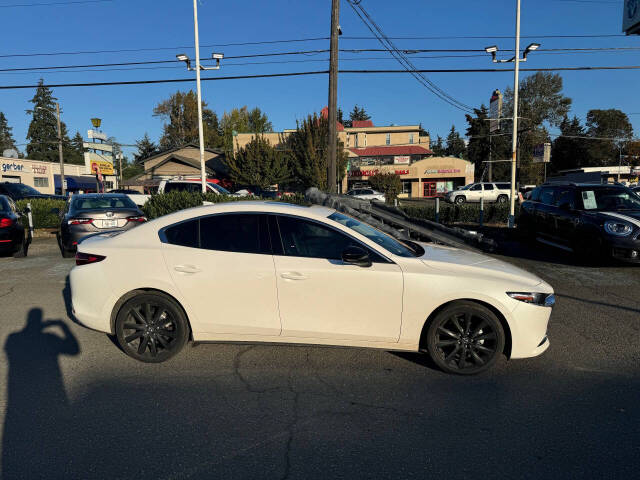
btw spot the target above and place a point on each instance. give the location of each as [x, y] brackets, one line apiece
[631, 17]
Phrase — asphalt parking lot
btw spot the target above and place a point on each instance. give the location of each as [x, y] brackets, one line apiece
[74, 406]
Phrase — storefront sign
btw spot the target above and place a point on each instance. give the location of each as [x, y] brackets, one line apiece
[105, 168]
[104, 147]
[97, 135]
[12, 167]
[370, 173]
[402, 159]
[39, 169]
[443, 170]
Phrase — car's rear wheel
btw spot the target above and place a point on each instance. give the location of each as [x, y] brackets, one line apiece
[460, 199]
[502, 199]
[465, 338]
[151, 328]
[21, 250]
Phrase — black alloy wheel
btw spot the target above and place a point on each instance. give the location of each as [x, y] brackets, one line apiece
[151, 328]
[460, 199]
[465, 338]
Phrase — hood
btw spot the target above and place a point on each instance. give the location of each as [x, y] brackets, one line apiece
[631, 216]
[452, 259]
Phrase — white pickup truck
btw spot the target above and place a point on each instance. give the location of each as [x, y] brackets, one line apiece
[182, 185]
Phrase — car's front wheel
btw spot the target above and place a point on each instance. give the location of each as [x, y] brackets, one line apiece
[465, 338]
[460, 199]
[151, 327]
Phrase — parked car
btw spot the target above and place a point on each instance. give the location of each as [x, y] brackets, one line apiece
[182, 185]
[636, 190]
[366, 194]
[90, 213]
[488, 191]
[258, 192]
[283, 273]
[588, 219]
[13, 239]
[138, 198]
[20, 191]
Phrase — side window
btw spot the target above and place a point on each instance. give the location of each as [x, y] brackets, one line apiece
[565, 196]
[535, 194]
[476, 187]
[302, 238]
[367, 192]
[242, 233]
[184, 234]
[546, 196]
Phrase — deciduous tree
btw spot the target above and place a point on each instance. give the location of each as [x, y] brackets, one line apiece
[243, 120]
[388, 183]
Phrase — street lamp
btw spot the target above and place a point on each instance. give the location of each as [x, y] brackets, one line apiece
[57, 114]
[184, 58]
[516, 71]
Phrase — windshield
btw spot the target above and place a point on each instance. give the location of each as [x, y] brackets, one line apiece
[466, 187]
[21, 189]
[382, 239]
[4, 205]
[96, 203]
[219, 189]
[609, 199]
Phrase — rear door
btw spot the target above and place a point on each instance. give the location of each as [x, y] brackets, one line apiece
[566, 216]
[544, 212]
[222, 265]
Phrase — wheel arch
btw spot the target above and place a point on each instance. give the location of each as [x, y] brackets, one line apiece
[129, 295]
[493, 309]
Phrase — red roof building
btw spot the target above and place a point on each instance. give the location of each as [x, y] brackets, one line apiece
[391, 150]
[325, 114]
[362, 123]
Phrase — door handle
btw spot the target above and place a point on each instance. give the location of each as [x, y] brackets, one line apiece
[293, 276]
[186, 269]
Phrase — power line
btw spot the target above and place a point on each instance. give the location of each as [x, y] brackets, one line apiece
[320, 72]
[53, 3]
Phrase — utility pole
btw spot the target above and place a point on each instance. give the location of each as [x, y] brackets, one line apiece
[514, 143]
[490, 172]
[63, 190]
[333, 98]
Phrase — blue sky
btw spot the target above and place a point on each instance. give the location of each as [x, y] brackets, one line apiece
[167, 26]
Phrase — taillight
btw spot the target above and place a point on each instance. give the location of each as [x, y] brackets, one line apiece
[87, 258]
[80, 221]
[5, 222]
[137, 219]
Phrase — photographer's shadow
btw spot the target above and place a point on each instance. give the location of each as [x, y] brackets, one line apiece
[38, 414]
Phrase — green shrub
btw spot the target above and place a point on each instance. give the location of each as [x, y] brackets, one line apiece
[165, 203]
[41, 211]
[466, 213]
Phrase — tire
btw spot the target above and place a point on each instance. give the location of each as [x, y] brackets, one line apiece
[151, 328]
[21, 252]
[465, 338]
[67, 253]
[502, 199]
[460, 199]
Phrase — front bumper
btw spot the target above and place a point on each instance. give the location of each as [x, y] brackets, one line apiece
[529, 330]
[624, 249]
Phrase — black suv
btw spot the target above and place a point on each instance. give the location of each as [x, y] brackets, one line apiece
[20, 191]
[588, 219]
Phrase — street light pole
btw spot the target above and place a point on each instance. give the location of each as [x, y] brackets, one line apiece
[203, 173]
[514, 142]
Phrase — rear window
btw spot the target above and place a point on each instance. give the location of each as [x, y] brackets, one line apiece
[503, 186]
[535, 194]
[96, 203]
[4, 205]
[20, 189]
[546, 196]
[184, 234]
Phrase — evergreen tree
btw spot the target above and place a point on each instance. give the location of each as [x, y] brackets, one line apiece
[43, 131]
[6, 137]
[77, 142]
[481, 143]
[70, 153]
[456, 147]
[258, 164]
[308, 145]
[568, 152]
[146, 148]
[356, 114]
[438, 147]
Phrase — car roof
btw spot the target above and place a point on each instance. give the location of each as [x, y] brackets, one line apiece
[98, 195]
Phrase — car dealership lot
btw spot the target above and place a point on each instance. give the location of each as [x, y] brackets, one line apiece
[238, 411]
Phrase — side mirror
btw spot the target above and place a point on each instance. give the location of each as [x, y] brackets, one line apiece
[356, 256]
[55, 211]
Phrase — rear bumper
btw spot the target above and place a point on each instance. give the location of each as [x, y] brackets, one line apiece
[92, 298]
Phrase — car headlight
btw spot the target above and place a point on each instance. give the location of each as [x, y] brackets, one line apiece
[619, 229]
[542, 299]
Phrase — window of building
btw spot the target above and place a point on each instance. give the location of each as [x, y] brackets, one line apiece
[406, 187]
[108, 185]
[411, 138]
[243, 233]
[41, 181]
[356, 141]
[388, 139]
[365, 139]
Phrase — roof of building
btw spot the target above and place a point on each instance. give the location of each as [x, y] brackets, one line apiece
[176, 149]
[391, 150]
[362, 123]
[325, 114]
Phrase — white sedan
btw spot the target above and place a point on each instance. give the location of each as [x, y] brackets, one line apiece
[366, 194]
[274, 272]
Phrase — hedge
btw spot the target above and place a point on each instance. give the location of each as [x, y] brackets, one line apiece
[41, 211]
[165, 203]
[466, 213]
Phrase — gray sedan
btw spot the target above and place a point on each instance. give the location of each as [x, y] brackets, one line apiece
[95, 213]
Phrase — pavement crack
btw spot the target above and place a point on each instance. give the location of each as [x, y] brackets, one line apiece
[236, 369]
[9, 292]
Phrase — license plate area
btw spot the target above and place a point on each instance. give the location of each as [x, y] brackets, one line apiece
[111, 223]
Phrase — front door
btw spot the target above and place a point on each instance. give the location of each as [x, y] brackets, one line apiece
[322, 297]
[222, 265]
[430, 189]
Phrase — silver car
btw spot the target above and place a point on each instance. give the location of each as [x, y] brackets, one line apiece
[95, 213]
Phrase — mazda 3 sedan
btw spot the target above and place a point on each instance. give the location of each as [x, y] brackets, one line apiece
[278, 273]
[90, 213]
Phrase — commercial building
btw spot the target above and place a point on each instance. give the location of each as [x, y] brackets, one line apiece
[625, 174]
[401, 149]
[178, 162]
[45, 176]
